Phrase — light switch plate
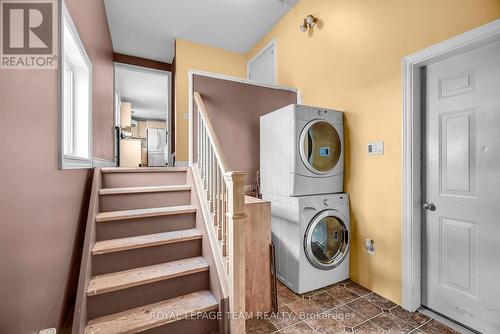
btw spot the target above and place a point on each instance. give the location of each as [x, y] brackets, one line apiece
[376, 147]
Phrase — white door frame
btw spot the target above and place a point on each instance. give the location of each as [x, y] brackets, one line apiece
[412, 127]
[272, 43]
[169, 120]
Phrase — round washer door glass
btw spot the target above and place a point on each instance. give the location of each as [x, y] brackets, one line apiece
[326, 240]
[320, 149]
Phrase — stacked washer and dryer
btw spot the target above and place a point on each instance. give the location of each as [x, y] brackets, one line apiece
[302, 174]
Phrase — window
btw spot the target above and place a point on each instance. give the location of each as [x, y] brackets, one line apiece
[76, 98]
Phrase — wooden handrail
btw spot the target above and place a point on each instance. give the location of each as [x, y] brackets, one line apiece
[223, 200]
[221, 159]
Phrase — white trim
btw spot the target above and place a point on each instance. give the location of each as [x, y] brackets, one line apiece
[169, 97]
[98, 163]
[272, 43]
[192, 73]
[238, 79]
[411, 66]
[70, 162]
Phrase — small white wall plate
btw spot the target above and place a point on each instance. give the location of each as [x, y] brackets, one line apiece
[376, 147]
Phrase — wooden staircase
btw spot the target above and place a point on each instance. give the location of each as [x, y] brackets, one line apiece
[144, 268]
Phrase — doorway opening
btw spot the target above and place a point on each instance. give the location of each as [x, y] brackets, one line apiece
[142, 116]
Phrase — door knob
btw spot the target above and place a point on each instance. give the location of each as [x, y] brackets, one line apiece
[429, 206]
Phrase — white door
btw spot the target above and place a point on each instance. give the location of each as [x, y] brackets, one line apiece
[261, 68]
[461, 192]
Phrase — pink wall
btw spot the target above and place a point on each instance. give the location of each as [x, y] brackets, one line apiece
[234, 109]
[43, 209]
[90, 19]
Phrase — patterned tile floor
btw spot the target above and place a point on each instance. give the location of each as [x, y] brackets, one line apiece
[344, 307]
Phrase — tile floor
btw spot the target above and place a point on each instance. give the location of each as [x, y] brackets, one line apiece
[344, 307]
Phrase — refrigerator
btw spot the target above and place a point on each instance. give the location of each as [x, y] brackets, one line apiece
[157, 147]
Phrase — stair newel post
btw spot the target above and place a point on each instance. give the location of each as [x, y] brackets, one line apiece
[236, 223]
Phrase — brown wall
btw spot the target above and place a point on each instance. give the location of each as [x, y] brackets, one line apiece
[238, 107]
[43, 209]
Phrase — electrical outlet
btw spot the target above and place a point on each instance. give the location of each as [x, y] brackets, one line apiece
[370, 246]
[47, 331]
[376, 147]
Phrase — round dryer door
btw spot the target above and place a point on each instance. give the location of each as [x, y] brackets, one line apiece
[320, 146]
[327, 240]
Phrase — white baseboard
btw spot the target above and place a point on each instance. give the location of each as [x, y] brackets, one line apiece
[98, 163]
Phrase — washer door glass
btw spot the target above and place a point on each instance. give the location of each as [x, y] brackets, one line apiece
[326, 241]
[320, 149]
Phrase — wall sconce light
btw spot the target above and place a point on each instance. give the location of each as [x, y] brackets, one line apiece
[309, 23]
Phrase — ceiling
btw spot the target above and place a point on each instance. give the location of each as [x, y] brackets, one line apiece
[148, 28]
[147, 90]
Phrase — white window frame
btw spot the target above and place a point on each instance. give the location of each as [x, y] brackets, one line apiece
[68, 161]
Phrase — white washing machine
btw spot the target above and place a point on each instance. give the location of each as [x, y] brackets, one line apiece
[302, 151]
[311, 235]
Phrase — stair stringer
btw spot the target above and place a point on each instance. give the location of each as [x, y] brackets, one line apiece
[80, 313]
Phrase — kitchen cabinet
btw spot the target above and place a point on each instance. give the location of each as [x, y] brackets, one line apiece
[130, 152]
[126, 114]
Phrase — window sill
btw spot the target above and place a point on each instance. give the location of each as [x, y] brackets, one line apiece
[72, 162]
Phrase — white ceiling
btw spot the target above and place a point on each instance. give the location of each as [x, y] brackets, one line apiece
[147, 90]
[147, 28]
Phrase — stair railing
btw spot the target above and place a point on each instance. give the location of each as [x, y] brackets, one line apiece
[224, 193]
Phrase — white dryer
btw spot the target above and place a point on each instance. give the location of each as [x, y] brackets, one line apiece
[302, 151]
[311, 235]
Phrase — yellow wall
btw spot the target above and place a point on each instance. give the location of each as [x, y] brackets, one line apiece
[194, 56]
[352, 62]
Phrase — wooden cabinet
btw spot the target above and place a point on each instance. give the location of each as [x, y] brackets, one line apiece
[144, 157]
[135, 131]
[141, 126]
[258, 295]
[126, 114]
[130, 152]
[155, 125]
[139, 130]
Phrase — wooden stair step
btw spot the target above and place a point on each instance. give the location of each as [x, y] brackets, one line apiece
[107, 170]
[153, 315]
[140, 276]
[144, 213]
[142, 241]
[147, 189]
